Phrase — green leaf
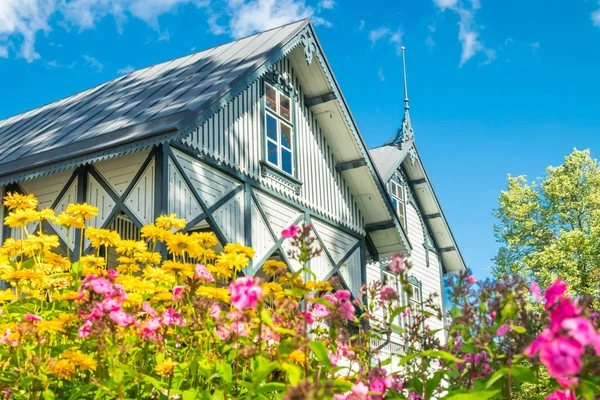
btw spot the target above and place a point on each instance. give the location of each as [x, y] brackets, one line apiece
[189, 394]
[270, 387]
[433, 383]
[475, 395]
[320, 351]
[48, 394]
[496, 376]
[523, 374]
[224, 369]
[265, 316]
[444, 355]
[588, 390]
[294, 372]
[518, 329]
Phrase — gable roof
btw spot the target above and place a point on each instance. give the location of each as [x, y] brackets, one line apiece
[388, 159]
[142, 105]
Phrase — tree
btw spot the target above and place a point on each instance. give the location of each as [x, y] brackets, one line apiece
[550, 227]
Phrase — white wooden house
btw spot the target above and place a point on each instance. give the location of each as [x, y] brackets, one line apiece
[243, 139]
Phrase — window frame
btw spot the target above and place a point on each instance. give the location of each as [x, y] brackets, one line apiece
[280, 120]
[399, 202]
[411, 302]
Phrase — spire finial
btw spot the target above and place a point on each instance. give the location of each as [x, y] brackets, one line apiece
[406, 106]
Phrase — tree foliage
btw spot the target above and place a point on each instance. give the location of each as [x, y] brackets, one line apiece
[550, 227]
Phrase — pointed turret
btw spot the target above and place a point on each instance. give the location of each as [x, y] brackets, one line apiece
[405, 134]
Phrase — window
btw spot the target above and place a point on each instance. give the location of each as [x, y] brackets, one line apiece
[391, 280]
[279, 132]
[415, 296]
[399, 200]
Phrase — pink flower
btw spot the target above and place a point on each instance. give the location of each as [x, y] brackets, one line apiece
[580, 329]
[320, 311]
[5, 339]
[101, 285]
[308, 317]
[244, 293]
[502, 330]
[347, 309]
[565, 308]
[493, 315]
[396, 263]
[542, 339]
[222, 332]
[562, 395]
[378, 386]
[535, 290]
[360, 389]
[112, 274]
[555, 291]
[110, 305]
[290, 232]
[406, 312]
[215, 310]
[178, 293]
[171, 317]
[149, 310]
[85, 330]
[471, 279]
[121, 318]
[32, 318]
[568, 382]
[342, 294]
[152, 324]
[388, 294]
[239, 328]
[203, 274]
[562, 357]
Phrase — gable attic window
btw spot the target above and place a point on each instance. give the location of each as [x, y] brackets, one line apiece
[399, 200]
[279, 143]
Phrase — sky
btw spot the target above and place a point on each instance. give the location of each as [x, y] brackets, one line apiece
[495, 87]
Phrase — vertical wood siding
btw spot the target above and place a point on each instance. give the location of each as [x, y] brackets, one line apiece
[47, 188]
[234, 137]
[98, 197]
[118, 172]
[181, 200]
[337, 242]
[262, 241]
[141, 198]
[230, 217]
[69, 197]
[350, 271]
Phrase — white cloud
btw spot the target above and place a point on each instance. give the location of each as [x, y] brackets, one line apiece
[22, 20]
[535, 46]
[93, 63]
[596, 17]
[125, 70]
[3, 52]
[394, 37]
[213, 25]
[252, 16]
[468, 30]
[328, 4]
[52, 64]
[430, 42]
[362, 25]
[380, 75]
[443, 4]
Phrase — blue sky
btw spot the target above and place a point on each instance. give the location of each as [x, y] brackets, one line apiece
[496, 87]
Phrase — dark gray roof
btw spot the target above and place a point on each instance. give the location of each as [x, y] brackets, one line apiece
[136, 106]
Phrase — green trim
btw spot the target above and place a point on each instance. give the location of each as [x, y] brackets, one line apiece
[269, 169]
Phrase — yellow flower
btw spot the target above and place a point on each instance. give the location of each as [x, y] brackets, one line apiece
[180, 242]
[66, 296]
[87, 271]
[20, 201]
[147, 257]
[162, 296]
[7, 295]
[20, 217]
[52, 326]
[84, 210]
[272, 288]
[133, 299]
[297, 357]
[319, 286]
[205, 239]
[170, 265]
[130, 246]
[69, 221]
[234, 261]
[40, 241]
[272, 266]
[59, 262]
[128, 268]
[170, 222]
[93, 262]
[154, 233]
[213, 293]
[220, 271]
[126, 260]
[61, 282]
[22, 274]
[102, 237]
[83, 361]
[166, 368]
[238, 248]
[63, 369]
[159, 275]
[46, 214]
[202, 253]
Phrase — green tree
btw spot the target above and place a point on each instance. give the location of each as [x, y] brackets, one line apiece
[550, 227]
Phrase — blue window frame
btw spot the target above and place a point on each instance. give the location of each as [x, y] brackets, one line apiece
[279, 136]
